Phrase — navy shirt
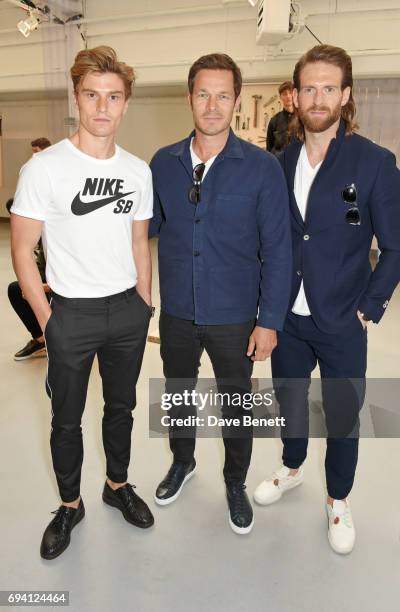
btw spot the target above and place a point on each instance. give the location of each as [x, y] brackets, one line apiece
[229, 256]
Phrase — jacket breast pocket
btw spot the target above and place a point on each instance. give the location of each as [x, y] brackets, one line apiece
[233, 213]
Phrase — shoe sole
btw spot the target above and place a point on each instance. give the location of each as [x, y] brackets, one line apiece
[240, 530]
[50, 557]
[126, 516]
[268, 503]
[169, 500]
[41, 353]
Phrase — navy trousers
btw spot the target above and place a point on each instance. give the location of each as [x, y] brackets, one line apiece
[342, 359]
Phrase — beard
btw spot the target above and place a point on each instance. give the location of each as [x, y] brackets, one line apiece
[319, 124]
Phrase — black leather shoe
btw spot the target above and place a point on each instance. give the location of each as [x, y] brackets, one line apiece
[57, 535]
[240, 510]
[169, 489]
[34, 348]
[134, 509]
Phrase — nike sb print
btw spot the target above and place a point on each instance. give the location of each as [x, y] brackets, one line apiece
[87, 207]
[103, 187]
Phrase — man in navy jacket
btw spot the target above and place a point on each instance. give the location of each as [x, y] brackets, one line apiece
[343, 190]
[221, 213]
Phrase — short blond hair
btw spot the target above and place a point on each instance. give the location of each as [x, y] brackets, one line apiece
[102, 59]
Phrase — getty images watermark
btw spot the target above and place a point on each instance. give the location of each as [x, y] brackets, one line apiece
[293, 408]
[202, 400]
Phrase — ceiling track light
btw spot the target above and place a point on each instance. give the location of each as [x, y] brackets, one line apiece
[28, 25]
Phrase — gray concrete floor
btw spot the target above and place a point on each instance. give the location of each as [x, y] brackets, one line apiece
[190, 559]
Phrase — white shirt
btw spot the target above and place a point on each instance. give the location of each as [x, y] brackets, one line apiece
[196, 160]
[87, 206]
[304, 177]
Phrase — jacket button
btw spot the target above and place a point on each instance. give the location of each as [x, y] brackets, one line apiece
[298, 272]
[197, 221]
[306, 237]
[196, 253]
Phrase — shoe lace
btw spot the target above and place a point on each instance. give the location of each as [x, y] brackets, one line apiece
[129, 494]
[173, 475]
[62, 517]
[239, 503]
[344, 517]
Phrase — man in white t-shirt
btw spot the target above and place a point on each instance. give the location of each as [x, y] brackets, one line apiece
[91, 201]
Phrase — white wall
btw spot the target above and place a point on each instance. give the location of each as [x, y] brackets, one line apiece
[149, 124]
[22, 122]
[161, 38]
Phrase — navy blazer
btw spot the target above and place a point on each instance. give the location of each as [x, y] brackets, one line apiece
[230, 255]
[332, 256]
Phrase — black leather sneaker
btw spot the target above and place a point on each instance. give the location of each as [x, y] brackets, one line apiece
[34, 348]
[57, 535]
[133, 508]
[169, 489]
[240, 510]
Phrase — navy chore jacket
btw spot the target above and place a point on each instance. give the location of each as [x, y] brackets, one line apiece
[221, 260]
[331, 256]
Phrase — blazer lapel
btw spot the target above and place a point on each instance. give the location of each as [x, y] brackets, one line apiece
[291, 156]
[319, 213]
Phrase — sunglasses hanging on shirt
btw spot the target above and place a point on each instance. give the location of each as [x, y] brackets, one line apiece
[349, 195]
[197, 175]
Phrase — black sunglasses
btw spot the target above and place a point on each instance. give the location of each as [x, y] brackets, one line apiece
[197, 175]
[349, 195]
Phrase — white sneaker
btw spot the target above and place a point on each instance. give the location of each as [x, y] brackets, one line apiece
[341, 532]
[269, 491]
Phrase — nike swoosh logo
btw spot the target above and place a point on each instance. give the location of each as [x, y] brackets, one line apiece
[81, 208]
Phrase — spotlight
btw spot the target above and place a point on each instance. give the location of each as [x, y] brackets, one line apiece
[28, 25]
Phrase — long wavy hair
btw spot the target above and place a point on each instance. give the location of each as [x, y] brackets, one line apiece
[337, 57]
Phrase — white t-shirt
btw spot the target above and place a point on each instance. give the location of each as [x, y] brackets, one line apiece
[196, 160]
[304, 177]
[87, 206]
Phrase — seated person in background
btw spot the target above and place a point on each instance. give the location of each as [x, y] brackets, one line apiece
[278, 127]
[36, 346]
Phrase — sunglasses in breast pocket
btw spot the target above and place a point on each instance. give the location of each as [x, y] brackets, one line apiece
[349, 196]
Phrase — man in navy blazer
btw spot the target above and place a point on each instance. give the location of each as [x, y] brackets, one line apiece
[221, 212]
[343, 190]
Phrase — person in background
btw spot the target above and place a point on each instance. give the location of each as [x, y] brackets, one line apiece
[36, 346]
[278, 128]
[39, 144]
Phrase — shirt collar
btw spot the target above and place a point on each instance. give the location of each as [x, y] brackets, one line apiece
[233, 147]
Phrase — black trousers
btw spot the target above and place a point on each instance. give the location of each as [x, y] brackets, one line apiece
[23, 310]
[114, 328]
[342, 359]
[182, 344]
